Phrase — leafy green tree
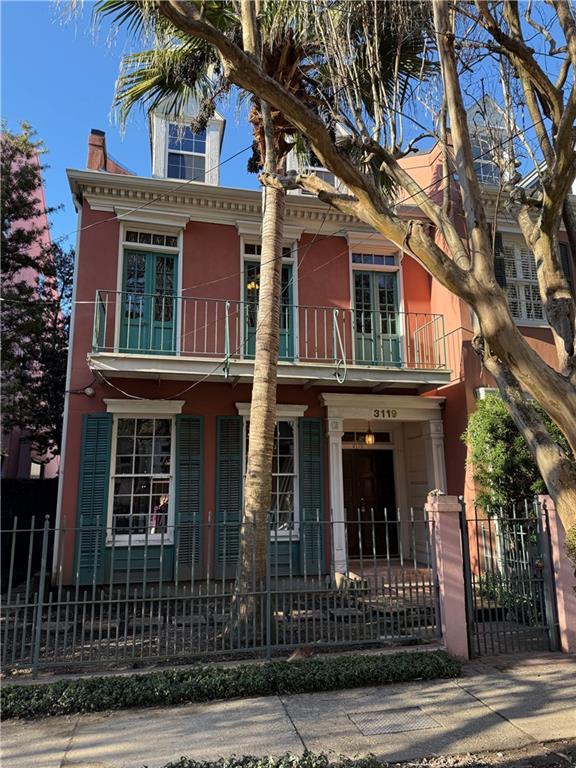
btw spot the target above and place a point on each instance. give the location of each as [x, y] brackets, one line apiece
[503, 466]
[36, 285]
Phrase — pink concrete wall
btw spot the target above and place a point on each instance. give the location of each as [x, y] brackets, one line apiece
[564, 576]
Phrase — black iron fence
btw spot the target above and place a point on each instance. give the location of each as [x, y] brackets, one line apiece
[90, 596]
[509, 582]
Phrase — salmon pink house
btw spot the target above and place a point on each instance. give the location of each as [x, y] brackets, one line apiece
[371, 398]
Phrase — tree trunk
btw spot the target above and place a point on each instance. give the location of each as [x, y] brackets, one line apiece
[255, 531]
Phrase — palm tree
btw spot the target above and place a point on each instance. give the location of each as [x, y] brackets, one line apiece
[285, 37]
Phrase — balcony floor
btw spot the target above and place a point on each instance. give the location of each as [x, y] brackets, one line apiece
[140, 366]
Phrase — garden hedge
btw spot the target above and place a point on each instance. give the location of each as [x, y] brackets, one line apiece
[289, 760]
[209, 682]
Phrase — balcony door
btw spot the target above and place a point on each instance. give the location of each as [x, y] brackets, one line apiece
[148, 303]
[376, 318]
[251, 293]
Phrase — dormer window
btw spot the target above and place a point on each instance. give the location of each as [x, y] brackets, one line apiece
[311, 164]
[180, 153]
[186, 153]
[486, 169]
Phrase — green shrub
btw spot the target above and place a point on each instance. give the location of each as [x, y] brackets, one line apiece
[206, 683]
[306, 760]
[502, 464]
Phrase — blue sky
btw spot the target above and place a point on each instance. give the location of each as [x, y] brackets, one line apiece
[60, 78]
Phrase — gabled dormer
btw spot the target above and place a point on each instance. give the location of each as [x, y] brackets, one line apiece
[178, 152]
[307, 162]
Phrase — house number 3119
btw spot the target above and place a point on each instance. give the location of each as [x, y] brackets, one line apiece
[385, 413]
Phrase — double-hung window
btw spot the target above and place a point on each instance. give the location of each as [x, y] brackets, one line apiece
[186, 153]
[141, 503]
[284, 506]
[487, 171]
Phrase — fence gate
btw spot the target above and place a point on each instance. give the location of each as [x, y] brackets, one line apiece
[511, 604]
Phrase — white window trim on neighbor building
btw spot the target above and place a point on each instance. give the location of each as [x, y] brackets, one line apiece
[515, 251]
[142, 409]
[291, 414]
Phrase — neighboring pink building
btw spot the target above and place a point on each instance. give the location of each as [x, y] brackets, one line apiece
[19, 460]
[161, 360]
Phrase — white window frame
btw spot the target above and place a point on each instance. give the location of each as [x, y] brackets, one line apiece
[293, 260]
[167, 151]
[142, 409]
[517, 244]
[177, 250]
[378, 250]
[289, 413]
[493, 174]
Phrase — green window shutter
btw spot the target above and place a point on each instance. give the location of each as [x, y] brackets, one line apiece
[499, 263]
[566, 264]
[229, 449]
[311, 486]
[93, 497]
[189, 493]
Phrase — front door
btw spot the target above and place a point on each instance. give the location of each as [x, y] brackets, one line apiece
[148, 303]
[370, 503]
[251, 293]
[376, 317]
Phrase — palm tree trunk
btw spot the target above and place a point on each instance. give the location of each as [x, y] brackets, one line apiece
[255, 531]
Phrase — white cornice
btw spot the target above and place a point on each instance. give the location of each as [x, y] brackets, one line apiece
[198, 202]
[207, 203]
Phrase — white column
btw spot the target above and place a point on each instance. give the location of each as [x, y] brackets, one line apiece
[335, 432]
[433, 432]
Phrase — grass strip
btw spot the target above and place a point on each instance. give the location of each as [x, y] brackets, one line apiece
[205, 682]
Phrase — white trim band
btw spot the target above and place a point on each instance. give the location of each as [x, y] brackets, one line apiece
[145, 407]
[282, 411]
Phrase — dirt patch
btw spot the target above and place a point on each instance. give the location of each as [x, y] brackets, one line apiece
[557, 754]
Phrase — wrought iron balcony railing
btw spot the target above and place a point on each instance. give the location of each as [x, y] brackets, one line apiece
[158, 324]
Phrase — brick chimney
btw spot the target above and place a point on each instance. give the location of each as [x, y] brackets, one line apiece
[97, 158]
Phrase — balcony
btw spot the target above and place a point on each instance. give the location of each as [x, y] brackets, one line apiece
[154, 335]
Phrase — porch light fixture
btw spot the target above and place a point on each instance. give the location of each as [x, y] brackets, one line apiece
[369, 438]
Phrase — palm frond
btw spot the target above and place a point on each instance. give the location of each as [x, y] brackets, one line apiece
[163, 78]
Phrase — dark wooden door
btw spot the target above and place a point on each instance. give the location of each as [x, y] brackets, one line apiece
[370, 503]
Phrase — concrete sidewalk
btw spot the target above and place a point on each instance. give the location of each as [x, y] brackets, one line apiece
[499, 704]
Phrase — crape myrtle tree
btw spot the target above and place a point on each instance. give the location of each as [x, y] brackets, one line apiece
[179, 69]
[36, 287]
[505, 44]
